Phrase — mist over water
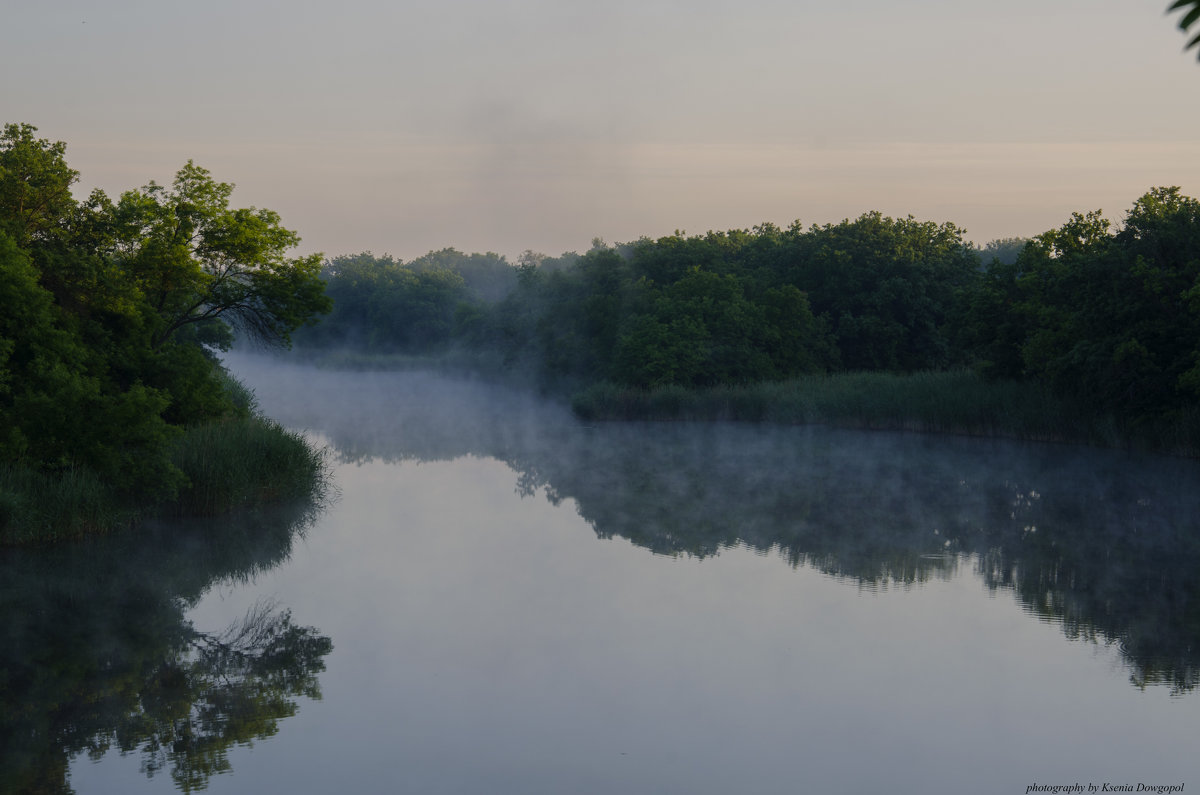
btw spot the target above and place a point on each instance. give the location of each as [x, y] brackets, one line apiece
[521, 602]
[695, 488]
[1098, 541]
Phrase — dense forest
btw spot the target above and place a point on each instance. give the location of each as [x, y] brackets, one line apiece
[111, 398]
[1094, 317]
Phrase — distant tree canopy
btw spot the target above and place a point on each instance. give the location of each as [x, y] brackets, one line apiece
[744, 305]
[381, 304]
[487, 277]
[1005, 249]
[1108, 313]
[108, 308]
[724, 307]
[1102, 313]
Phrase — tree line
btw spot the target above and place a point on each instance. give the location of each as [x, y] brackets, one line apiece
[1104, 313]
[113, 310]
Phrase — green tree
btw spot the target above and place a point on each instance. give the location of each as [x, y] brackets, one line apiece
[35, 184]
[195, 260]
[488, 277]
[34, 352]
[414, 311]
[62, 403]
[108, 308]
[887, 287]
[1107, 314]
[1004, 249]
[384, 305]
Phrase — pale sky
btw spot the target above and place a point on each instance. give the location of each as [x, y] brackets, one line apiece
[506, 125]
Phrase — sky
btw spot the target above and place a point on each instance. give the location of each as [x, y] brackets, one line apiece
[408, 126]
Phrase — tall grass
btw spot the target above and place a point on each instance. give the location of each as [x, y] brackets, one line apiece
[230, 465]
[41, 507]
[243, 462]
[957, 402]
[240, 462]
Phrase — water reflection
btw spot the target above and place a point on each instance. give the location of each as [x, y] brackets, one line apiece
[1102, 543]
[96, 652]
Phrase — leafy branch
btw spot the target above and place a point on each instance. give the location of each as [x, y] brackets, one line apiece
[1189, 18]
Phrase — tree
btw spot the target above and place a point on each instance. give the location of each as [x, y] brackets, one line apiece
[387, 306]
[488, 277]
[1109, 316]
[35, 184]
[888, 287]
[1004, 249]
[108, 307]
[198, 262]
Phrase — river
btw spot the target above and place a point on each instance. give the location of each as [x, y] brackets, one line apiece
[502, 599]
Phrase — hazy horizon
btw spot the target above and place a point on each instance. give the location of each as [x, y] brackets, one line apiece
[530, 124]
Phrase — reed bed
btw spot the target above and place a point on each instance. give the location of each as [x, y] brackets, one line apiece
[39, 507]
[957, 402]
[230, 465]
[243, 462]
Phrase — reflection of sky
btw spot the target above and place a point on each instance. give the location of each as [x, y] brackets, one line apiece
[512, 124]
[488, 643]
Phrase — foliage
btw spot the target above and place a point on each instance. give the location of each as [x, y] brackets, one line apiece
[488, 278]
[1109, 316]
[742, 306]
[112, 309]
[381, 305]
[1191, 14]
[958, 401]
[195, 260]
[35, 185]
[1104, 318]
[888, 287]
[1005, 250]
[39, 507]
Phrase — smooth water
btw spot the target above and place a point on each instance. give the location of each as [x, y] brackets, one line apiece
[504, 600]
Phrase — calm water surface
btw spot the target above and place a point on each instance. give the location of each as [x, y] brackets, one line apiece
[504, 600]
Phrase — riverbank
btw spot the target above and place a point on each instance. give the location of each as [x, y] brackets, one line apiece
[227, 465]
[957, 402]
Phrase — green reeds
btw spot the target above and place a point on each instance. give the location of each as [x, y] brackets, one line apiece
[958, 402]
[41, 507]
[230, 465]
[243, 462]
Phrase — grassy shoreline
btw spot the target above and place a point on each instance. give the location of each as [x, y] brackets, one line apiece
[231, 464]
[958, 402]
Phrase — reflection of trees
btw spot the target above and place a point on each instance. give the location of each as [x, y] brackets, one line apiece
[96, 652]
[222, 690]
[1114, 563]
[1104, 544]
